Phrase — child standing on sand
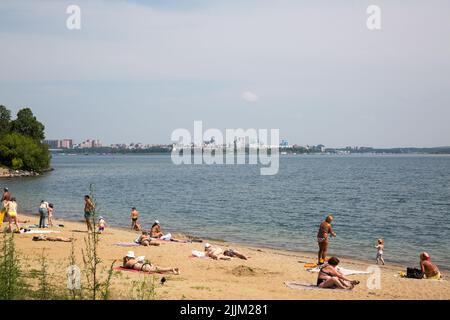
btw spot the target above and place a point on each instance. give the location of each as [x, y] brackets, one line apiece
[50, 214]
[134, 218]
[380, 248]
[101, 224]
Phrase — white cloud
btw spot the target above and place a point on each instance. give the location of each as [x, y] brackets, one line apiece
[249, 96]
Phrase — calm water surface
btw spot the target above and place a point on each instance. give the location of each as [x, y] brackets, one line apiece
[404, 199]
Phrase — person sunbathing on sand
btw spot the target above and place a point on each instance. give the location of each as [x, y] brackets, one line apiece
[233, 253]
[217, 253]
[47, 238]
[130, 262]
[145, 240]
[331, 278]
[429, 269]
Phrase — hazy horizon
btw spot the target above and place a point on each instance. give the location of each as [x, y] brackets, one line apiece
[137, 70]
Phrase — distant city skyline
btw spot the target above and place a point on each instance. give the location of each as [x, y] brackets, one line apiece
[137, 70]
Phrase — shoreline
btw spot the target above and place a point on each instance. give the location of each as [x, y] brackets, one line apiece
[262, 276]
[255, 246]
[7, 173]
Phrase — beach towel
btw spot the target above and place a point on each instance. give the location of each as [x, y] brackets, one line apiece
[40, 231]
[198, 254]
[345, 272]
[127, 244]
[309, 286]
[132, 270]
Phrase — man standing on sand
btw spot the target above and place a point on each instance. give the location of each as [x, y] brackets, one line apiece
[89, 208]
[6, 195]
[325, 231]
[134, 217]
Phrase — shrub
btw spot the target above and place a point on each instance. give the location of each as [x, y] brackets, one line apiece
[21, 152]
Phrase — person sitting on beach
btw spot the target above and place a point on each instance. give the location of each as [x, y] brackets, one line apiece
[130, 262]
[89, 208]
[429, 269]
[50, 214]
[331, 278]
[145, 240]
[380, 248]
[155, 231]
[11, 211]
[215, 253]
[325, 230]
[134, 217]
[42, 237]
[101, 224]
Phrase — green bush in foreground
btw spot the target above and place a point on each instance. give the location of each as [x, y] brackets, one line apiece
[12, 286]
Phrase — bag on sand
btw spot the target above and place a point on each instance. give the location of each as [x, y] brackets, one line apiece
[414, 273]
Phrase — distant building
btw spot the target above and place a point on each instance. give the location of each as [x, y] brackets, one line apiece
[66, 143]
[59, 144]
[284, 144]
[52, 144]
[90, 144]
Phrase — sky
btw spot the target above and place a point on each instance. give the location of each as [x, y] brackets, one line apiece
[138, 70]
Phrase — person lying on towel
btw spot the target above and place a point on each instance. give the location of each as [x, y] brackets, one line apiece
[131, 262]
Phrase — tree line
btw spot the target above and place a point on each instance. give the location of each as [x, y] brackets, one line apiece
[21, 146]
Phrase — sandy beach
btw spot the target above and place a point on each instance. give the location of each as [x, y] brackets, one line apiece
[262, 276]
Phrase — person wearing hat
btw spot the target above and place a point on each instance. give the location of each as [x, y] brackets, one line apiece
[429, 269]
[215, 253]
[131, 262]
[155, 231]
[101, 224]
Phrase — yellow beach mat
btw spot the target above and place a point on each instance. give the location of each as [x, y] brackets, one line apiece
[310, 265]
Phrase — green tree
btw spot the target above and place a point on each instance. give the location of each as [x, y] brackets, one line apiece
[5, 120]
[21, 152]
[27, 125]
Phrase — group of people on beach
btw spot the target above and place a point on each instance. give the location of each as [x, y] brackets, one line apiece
[331, 277]
[9, 210]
